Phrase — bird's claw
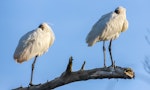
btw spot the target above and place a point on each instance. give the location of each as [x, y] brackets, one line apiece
[105, 66]
[30, 84]
[113, 64]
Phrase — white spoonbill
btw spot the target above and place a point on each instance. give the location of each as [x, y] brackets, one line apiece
[108, 27]
[34, 44]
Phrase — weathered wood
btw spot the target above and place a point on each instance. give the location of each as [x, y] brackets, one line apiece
[82, 75]
[69, 66]
[82, 68]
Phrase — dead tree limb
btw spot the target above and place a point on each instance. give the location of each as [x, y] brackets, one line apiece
[82, 68]
[69, 76]
[69, 66]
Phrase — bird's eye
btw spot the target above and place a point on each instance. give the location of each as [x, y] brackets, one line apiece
[117, 11]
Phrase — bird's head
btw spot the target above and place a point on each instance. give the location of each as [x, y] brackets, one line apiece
[44, 26]
[120, 10]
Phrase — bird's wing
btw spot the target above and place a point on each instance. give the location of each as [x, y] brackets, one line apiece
[21, 51]
[114, 26]
[108, 27]
[97, 29]
[33, 43]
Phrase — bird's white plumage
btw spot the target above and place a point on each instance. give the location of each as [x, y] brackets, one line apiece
[108, 27]
[34, 43]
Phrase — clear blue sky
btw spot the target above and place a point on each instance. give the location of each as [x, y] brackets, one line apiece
[71, 21]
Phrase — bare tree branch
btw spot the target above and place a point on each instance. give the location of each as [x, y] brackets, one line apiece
[69, 66]
[146, 64]
[147, 37]
[69, 76]
[82, 68]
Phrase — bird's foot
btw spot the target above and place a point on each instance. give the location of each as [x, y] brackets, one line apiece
[30, 84]
[113, 64]
[105, 66]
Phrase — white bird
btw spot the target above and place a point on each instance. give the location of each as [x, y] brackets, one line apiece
[108, 27]
[34, 44]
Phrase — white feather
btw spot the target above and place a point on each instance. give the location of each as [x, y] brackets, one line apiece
[108, 27]
[34, 43]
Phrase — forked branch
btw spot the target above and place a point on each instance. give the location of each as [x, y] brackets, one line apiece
[69, 76]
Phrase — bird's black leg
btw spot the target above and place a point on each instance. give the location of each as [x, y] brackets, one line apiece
[112, 62]
[32, 71]
[104, 52]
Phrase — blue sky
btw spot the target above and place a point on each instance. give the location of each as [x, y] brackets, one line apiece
[71, 21]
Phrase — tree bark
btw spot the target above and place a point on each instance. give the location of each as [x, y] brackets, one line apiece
[69, 76]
